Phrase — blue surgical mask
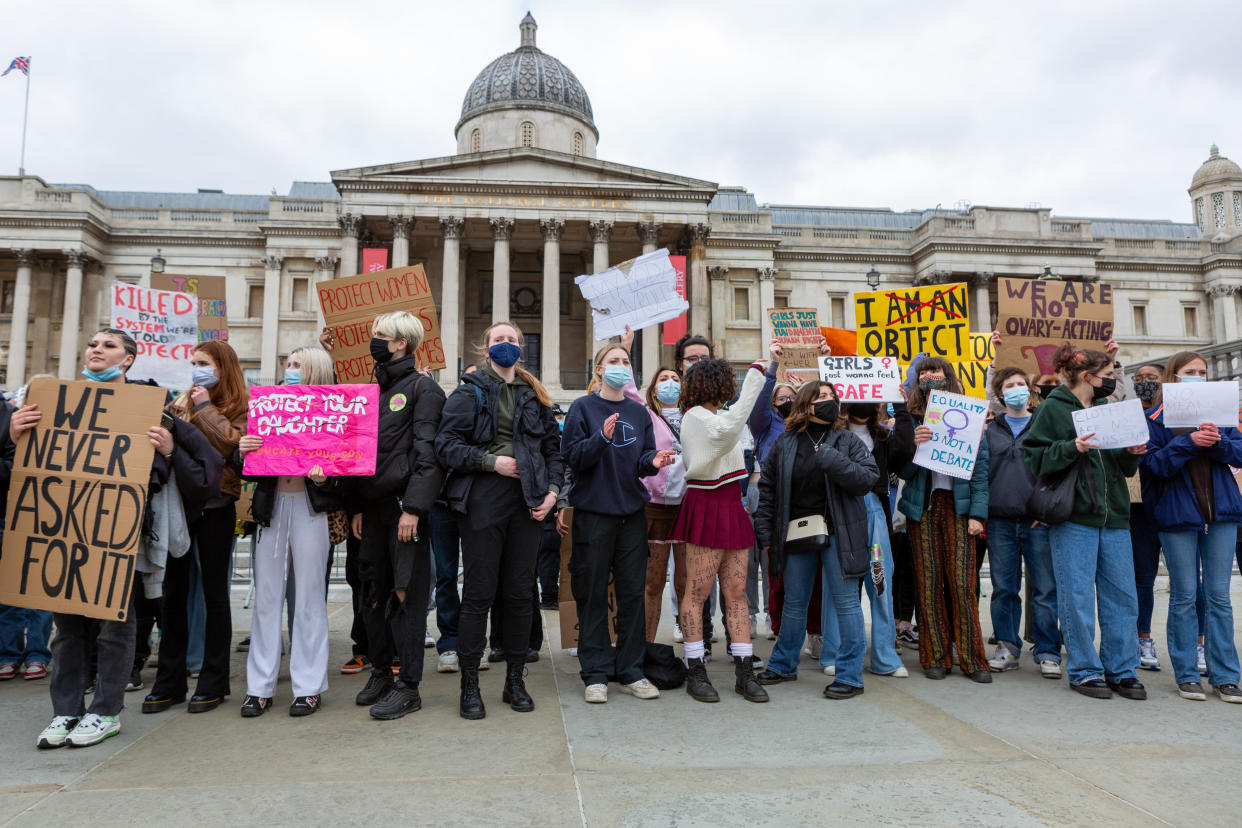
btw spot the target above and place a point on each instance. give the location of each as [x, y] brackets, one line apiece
[890, 410]
[504, 354]
[104, 375]
[617, 376]
[293, 376]
[668, 392]
[204, 376]
[1017, 397]
[1191, 378]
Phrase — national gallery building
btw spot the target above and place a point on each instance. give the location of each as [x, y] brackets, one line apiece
[524, 205]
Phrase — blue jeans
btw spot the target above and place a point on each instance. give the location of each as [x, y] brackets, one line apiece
[446, 551]
[1096, 564]
[24, 634]
[799, 578]
[1183, 552]
[1009, 542]
[884, 658]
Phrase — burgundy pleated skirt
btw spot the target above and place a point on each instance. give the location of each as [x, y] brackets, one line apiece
[714, 518]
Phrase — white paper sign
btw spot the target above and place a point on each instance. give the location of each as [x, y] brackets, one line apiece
[957, 424]
[863, 378]
[1191, 404]
[164, 323]
[638, 293]
[1116, 425]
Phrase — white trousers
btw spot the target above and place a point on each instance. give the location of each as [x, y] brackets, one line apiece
[297, 540]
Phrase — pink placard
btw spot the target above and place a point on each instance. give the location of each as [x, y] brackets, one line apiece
[303, 426]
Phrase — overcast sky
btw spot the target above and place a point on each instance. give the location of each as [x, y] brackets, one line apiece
[1090, 108]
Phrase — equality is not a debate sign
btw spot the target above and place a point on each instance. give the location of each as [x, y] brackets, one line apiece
[902, 322]
[77, 496]
[349, 306]
[164, 323]
[335, 427]
[956, 423]
[1035, 316]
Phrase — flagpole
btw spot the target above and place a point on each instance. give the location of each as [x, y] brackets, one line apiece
[21, 169]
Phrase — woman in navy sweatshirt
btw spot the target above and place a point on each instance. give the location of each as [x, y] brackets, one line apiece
[609, 444]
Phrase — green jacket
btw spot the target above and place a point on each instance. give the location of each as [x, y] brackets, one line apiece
[1049, 448]
[970, 497]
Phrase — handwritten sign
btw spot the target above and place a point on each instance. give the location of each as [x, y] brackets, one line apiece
[165, 326]
[1191, 404]
[351, 304]
[956, 422]
[934, 319]
[797, 330]
[332, 426]
[1116, 425]
[863, 379]
[1035, 316]
[213, 317]
[77, 496]
[638, 293]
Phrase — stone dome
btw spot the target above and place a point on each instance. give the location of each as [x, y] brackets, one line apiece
[1216, 168]
[527, 78]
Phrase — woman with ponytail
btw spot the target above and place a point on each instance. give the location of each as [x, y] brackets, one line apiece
[500, 441]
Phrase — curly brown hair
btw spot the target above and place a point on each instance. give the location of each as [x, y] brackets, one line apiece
[709, 382]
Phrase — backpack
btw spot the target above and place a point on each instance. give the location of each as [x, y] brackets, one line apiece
[663, 668]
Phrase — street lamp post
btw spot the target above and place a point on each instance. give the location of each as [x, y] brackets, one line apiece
[157, 262]
[873, 278]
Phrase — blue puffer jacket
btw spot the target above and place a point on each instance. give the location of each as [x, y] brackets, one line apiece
[1168, 494]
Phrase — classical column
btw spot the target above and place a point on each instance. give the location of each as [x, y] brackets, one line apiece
[402, 226]
[700, 301]
[271, 318]
[550, 358]
[982, 301]
[601, 234]
[649, 235]
[717, 333]
[1225, 317]
[450, 304]
[326, 270]
[16, 375]
[71, 318]
[351, 226]
[767, 301]
[502, 231]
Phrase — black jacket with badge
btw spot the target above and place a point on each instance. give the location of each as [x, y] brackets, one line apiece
[1010, 480]
[405, 463]
[850, 471]
[468, 429]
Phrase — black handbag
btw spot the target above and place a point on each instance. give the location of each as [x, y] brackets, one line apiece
[1052, 500]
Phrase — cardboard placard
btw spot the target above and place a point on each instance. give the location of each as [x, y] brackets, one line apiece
[957, 424]
[568, 607]
[1035, 316]
[1115, 425]
[164, 323]
[335, 427]
[902, 322]
[213, 316]
[77, 496]
[351, 304]
[863, 379]
[246, 500]
[1191, 404]
[797, 331]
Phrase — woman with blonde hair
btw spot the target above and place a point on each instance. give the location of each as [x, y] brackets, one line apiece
[501, 441]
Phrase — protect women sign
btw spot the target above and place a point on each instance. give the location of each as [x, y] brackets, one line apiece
[334, 427]
[957, 423]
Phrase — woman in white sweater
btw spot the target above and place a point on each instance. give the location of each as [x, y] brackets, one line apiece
[713, 522]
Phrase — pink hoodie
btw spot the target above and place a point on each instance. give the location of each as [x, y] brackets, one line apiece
[668, 486]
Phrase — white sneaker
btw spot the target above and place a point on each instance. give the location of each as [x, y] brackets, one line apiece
[900, 672]
[1201, 660]
[830, 670]
[678, 638]
[715, 638]
[92, 730]
[54, 735]
[813, 645]
[1003, 660]
[483, 663]
[768, 622]
[1147, 654]
[598, 693]
[429, 640]
[447, 662]
[573, 652]
[1050, 669]
[641, 689]
[754, 627]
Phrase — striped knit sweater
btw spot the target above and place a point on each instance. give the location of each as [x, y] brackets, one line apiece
[711, 443]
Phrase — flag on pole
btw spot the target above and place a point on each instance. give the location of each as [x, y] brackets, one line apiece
[21, 64]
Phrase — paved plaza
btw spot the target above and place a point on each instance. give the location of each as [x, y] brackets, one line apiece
[1022, 751]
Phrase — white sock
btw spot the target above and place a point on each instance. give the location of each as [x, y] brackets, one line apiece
[739, 650]
[694, 649]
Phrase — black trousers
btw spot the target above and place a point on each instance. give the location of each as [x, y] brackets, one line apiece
[212, 534]
[394, 627]
[358, 629]
[905, 590]
[549, 564]
[146, 615]
[499, 545]
[497, 637]
[613, 545]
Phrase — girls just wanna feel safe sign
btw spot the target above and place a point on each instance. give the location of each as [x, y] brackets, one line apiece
[335, 427]
[956, 422]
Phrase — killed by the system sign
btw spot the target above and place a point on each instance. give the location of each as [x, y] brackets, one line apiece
[76, 499]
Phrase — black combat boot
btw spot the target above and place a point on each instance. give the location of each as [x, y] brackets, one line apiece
[471, 701]
[745, 684]
[697, 683]
[515, 694]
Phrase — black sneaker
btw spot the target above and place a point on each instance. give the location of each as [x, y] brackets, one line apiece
[254, 706]
[304, 705]
[377, 687]
[496, 655]
[532, 655]
[243, 646]
[770, 677]
[1128, 688]
[840, 690]
[910, 635]
[400, 699]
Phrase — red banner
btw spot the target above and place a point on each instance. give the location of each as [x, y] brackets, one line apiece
[374, 259]
[675, 329]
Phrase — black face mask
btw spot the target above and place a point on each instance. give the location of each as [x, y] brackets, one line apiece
[379, 350]
[1146, 390]
[827, 410]
[1107, 386]
[784, 408]
[862, 411]
[1045, 390]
